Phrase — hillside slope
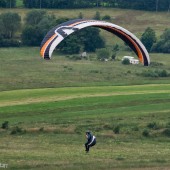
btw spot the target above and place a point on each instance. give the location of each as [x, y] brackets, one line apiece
[133, 20]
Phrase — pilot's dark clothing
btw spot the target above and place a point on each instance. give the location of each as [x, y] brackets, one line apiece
[91, 141]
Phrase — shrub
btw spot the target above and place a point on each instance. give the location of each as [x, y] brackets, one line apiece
[95, 71]
[149, 73]
[126, 61]
[156, 64]
[120, 158]
[145, 133]
[113, 56]
[76, 57]
[10, 43]
[97, 15]
[115, 49]
[166, 132]
[5, 125]
[41, 129]
[155, 73]
[116, 129]
[106, 17]
[163, 73]
[135, 128]
[70, 68]
[107, 126]
[17, 130]
[168, 125]
[103, 54]
[80, 16]
[153, 125]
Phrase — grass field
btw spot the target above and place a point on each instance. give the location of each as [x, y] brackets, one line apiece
[51, 125]
[23, 68]
[50, 104]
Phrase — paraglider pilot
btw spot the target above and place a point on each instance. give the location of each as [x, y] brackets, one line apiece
[91, 141]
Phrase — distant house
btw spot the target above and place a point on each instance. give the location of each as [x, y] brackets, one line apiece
[132, 60]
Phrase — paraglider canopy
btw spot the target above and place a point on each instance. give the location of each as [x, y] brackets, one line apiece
[60, 32]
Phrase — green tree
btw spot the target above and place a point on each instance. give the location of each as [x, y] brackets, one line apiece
[91, 39]
[106, 17]
[10, 24]
[115, 49]
[10, 3]
[37, 25]
[148, 38]
[2, 3]
[46, 23]
[103, 54]
[7, 3]
[80, 16]
[30, 36]
[151, 5]
[61, 20]
[34, 17]
[83, 39]
[163, 44]
[71, 45]
[33, 3]
[97, 16]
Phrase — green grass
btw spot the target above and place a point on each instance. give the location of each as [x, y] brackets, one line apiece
[23, 68]
[52, 121]
[53, 102]
[53, 131]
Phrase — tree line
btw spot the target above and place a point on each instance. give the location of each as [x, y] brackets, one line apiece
[149, 5]
[7, 3]
[38, 23]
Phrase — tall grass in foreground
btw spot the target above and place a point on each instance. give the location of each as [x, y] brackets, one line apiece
[131, 124]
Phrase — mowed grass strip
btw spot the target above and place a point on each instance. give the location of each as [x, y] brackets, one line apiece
[84, 103]
[19, 97]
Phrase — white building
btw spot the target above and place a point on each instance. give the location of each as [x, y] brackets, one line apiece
[131, 59]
